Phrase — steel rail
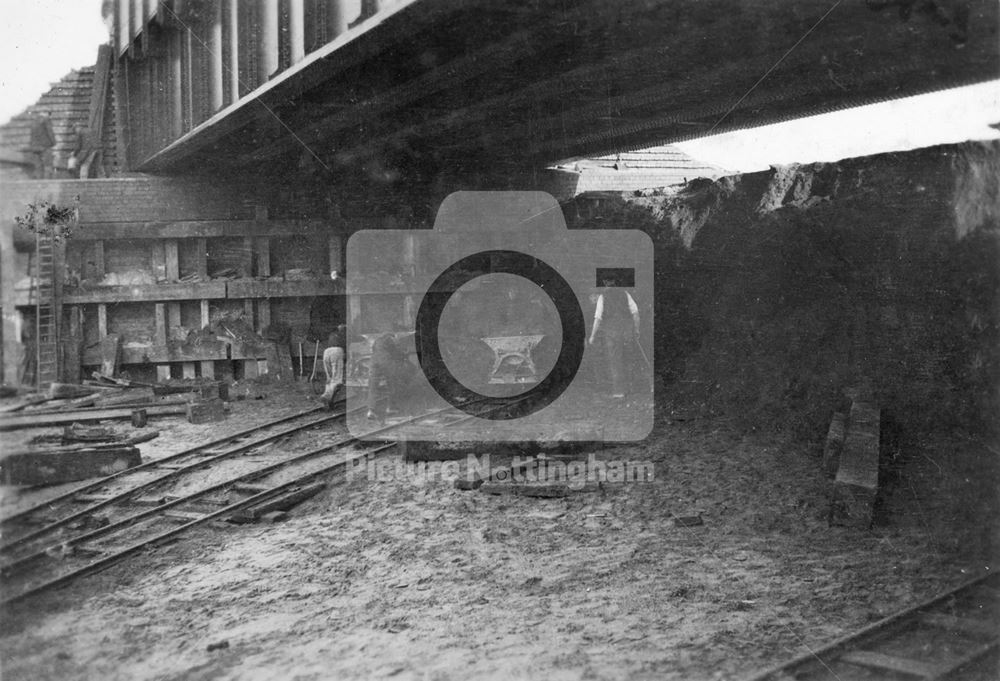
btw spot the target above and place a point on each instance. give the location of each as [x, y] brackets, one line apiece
[830, 652]
[97, 484]
[197, 465]
[232, 508]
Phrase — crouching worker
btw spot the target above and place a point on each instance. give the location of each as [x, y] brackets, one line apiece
[389, 377]
[333, 364]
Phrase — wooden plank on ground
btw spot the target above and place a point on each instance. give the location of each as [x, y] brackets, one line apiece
[890, 663]
[49, 468]
[856, 484]
[111, 347]
[834, 443]
[58, 419]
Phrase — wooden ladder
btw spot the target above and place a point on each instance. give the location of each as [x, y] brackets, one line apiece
[46, 327]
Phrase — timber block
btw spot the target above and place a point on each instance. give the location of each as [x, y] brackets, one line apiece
[206, 411]
[834, 443]
[52, 468]
[856, 484]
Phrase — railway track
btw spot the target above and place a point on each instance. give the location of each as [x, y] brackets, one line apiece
[955, 635]
[142, 515]
[21, 531]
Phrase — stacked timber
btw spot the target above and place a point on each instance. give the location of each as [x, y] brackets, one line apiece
[103, 399]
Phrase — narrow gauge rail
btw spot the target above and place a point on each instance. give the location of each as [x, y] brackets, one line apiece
[955, 635]
[99, 548]
[40, 523]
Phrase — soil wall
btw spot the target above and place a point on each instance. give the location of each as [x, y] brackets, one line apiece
[777, 291]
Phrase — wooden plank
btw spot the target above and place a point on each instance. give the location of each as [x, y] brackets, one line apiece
[201, 257]
[834, 443]
[160, 353]
[247, 266]
[8, 299]
[162, 372]
[192, 229]
[102, 321]
[45, 420]
[158, 260]
[98, 257]
[335, 245]
[281, 503]
[208, 369]
[263, 313]
[304, 288]
[172, 258]
[173, 316]
[205, 315]
[856, 484]
[188, 370]
[899, 665]
[160, 324]
[110, 349]
[52, 467]
[262, 251]
[151, 293]
[250, 368]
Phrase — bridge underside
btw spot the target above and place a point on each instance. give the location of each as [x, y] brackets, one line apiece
[479, 87]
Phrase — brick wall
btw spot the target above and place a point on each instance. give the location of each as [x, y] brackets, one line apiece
[134, 199]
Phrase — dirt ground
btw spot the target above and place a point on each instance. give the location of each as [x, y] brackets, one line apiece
[414, 579]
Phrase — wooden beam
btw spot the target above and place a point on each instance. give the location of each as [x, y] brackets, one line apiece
[158, 260]
[189, 229]
[8, 279]
[175, 93]
[34, 420]
[172, 258]
[173, 316]
[336, 251]
[208, 369]
[282, 289]
[248, 257]
[205, 316]
[98, 259]
[102, 321]
[262, 252]
[201, 257]
[263, 313]
[160, 324]
[148, 294]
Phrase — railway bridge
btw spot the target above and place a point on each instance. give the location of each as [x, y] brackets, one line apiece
[401, 88]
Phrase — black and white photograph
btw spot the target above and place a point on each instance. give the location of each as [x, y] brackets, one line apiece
[474, 340]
